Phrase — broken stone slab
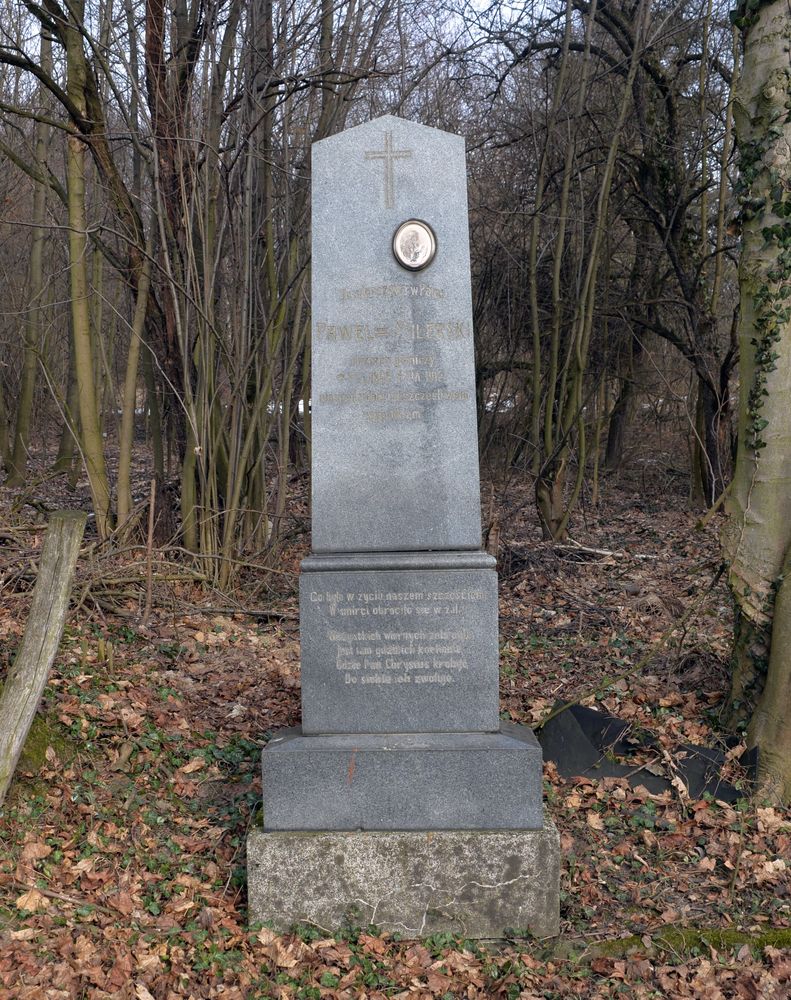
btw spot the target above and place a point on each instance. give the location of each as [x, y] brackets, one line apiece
[584, 742]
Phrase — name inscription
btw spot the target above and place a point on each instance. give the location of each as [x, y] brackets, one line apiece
[416, 291]
[389, 387]
[401, 329]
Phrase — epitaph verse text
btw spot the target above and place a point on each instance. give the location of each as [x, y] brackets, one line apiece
[398, 637]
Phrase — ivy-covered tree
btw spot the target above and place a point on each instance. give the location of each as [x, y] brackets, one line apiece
[757, 538]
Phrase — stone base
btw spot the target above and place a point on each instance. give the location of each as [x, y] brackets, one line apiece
[474, 883]
[426, 781]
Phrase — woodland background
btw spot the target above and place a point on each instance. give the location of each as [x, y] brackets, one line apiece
[156, 237]
[154, 369]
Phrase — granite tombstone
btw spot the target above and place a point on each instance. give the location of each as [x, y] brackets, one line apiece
[401, 761]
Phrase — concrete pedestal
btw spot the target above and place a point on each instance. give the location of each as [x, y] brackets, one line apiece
[474, 883]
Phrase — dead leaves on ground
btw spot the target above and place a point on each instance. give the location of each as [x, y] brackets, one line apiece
[121, 870]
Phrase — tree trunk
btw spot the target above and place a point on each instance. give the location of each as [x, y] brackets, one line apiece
[84, 362]
[642, 279]
[697, 490]
[616, 429]
[749, 661]
[5, 444]
[153, 413]
[770, 726]
[564, 384]
[28, 675]
[90, 427]
[550, 504]
[68, 435]
[713, 440]
[757, 537]
[598, 427]
[18, 462]
[127, 433]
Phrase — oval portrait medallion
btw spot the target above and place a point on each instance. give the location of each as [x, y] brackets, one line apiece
[414, 244]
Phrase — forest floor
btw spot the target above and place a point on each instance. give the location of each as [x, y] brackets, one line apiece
[122, 842]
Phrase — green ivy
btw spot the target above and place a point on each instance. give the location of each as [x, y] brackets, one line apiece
[772, 310]
[746, 12]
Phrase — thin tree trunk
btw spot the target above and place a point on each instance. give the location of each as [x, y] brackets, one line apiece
[153, 412]
[5, 444]
[570, 393]
[616, 427]
[70, 429]
[712, 440]
[127, 432]
[535, 437]
[549, 461]
[84, 356]
[622, 409]
[697, 487]
[18, 461]
[598, 427]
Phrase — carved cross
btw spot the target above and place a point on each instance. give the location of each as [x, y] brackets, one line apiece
[389, 155]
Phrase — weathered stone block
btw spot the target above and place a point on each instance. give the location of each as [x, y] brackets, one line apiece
[475, 883]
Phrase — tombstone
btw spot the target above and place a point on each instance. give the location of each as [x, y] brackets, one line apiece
[402, 801]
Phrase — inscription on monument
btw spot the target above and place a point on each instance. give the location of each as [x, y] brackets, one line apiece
[406, 646]
[416, 291]
[384, 383]
[420, 647]
[401, 329]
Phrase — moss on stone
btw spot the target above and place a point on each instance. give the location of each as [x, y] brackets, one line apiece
[43, 733]
[690, 939]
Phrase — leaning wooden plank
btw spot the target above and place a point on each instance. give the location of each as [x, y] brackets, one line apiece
[27, 677]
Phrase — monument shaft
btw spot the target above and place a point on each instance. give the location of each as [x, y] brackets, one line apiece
[395, 459]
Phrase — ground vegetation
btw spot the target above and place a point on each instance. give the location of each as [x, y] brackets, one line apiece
[122, 869]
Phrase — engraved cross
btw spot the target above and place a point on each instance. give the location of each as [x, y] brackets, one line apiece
[389, 155]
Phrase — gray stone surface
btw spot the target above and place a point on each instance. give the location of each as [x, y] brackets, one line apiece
[426, 781]
[479, 884]
[395, 457]
[399, 650]
[347, 562]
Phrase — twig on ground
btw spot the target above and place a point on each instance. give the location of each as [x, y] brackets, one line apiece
[63, 897]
